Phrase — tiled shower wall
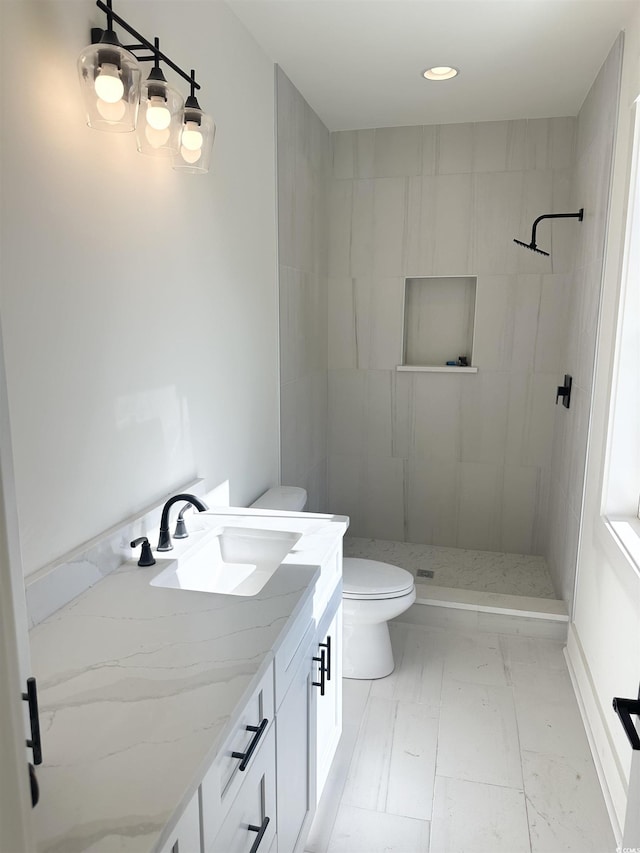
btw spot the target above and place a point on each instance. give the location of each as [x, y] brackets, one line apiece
[595, 141]
[304, 156]
[448, 459]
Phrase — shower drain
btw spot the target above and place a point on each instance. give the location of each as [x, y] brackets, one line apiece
[425, 573]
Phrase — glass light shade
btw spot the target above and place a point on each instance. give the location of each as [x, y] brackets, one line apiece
[159, 119]
[110, 82]
[196, 142]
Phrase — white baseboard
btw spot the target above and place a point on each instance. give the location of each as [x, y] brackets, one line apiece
[612, 780]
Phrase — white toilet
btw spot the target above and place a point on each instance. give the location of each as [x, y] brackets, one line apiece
[372, 593]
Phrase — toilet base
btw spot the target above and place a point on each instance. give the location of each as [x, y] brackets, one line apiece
[367, 651]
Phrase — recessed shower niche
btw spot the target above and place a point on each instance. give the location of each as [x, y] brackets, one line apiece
[439, 314]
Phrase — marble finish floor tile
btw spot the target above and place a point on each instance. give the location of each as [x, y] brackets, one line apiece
[485, 571]
[478, 739]
[360, 831]
[394, 761]
[565, 806]
[419, 660]
[469, 817]
[474, 741]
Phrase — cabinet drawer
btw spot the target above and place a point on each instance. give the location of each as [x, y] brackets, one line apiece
[250, 825]
[226, 775]
[292, 650]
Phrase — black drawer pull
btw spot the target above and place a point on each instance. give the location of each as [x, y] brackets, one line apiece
[624, 708]
[246, 756]
[261, 831]
[31, 696]
[327, 646]
[35, 788]
[323, 672]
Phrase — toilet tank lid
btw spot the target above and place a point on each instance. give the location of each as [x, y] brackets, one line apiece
[371, 577]
[292, 498]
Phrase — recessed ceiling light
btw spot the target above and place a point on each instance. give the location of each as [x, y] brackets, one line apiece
[440, 72]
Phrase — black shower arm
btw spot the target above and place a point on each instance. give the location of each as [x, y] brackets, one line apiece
[577, 216]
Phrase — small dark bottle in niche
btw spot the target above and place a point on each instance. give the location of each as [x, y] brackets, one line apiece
[463, 361]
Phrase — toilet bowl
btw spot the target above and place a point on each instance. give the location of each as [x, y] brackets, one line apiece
[372, 593]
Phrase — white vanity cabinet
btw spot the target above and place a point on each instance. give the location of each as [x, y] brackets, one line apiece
[261, 792]
[329, 690]
[295, 753]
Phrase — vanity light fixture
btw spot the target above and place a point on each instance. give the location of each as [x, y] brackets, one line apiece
[197, 132]
[116, 101]
[158, 128]
[110, 81]
[440, 72]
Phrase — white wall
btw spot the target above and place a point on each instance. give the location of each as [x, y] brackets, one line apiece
[304, 154]
[604, 639]
[444, 459]
[138, 306]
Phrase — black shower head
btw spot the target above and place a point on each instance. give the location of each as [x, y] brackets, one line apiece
[531, 246]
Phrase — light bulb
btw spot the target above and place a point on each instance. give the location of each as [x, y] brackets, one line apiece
[190, 156]
[191, 137]
[108, 85]
[111, 112]
[156, 138]
[158, 116]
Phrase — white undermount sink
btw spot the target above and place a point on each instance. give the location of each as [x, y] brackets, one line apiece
[230, 560]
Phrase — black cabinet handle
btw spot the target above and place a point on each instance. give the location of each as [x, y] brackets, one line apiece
[323, 672]
[564, 391]
[34, 742]
[624, 708]
[327, 646]
[261, 831]
[246, 756]
[33, 784]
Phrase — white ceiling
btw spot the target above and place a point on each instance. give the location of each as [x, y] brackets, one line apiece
[358, 62]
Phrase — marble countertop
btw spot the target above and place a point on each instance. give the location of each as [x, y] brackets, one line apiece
[139, 687]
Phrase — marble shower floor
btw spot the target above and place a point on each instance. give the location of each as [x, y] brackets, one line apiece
[483, 571]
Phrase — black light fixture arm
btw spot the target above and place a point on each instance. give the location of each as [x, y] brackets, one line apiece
[144, 43]
[577, 216]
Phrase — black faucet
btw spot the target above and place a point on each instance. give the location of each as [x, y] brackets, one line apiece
[164, 542]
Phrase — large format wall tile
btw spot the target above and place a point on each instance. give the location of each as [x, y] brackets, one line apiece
[438, 401]
[592, 175]
[479, 506]
[342, 328]
[304, 161]
[520, 501]
[497, 199]
[485, 411]
[455, 149]
[361, 254]
[378, 322]
[470, 456]
[432, 495]
[397, 152]
[451, 199]
[340, 205]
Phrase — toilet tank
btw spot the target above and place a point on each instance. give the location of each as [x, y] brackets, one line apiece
[288, 498]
